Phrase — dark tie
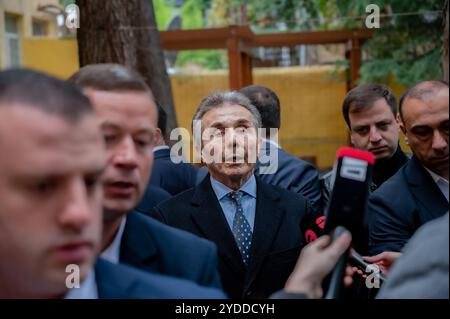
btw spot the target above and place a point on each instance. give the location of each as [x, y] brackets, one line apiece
[241, 228]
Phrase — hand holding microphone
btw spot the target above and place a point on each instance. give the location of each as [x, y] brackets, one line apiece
[347, 206]
[316, 261]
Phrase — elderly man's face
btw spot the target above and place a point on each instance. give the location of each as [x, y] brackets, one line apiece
[128, 120]
[426, 130]
[50, 199]
[375, 129]
[230, 141]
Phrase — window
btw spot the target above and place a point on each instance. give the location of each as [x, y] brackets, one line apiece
[12, 40]
[39, 28]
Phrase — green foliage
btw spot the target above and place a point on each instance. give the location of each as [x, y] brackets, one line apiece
[66, 2]
[163, 13]
[210, 59]
[192, 15]
[406, 47]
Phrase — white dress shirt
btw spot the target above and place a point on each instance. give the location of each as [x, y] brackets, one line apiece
[112, 253]
[160, 147]
[87, 290]
[441, 182]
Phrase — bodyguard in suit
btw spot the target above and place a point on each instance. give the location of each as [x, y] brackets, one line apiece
[370, 112]
[119, 281]
[52, 161]
[256, 226]
[127, 115]
[174, 177]
[418, 192]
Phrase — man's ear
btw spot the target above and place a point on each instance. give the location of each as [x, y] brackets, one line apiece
[198, 151]
[158, 135]
[402, 128]
[351, 136]
[400, 123]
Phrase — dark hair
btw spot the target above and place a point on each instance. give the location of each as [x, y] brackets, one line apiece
[162, 118]
[109, 77]
[267, 103]
[44, 92]
[364, 96]
[420, 90]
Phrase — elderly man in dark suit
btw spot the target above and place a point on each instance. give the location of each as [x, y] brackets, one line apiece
[286, 171]
[256, 226]
[127, 115]
[418, 192]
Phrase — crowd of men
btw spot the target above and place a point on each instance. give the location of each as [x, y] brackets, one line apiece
[88, 181]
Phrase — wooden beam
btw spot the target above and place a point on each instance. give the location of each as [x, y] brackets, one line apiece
[216, 38]
[314, 37]
[247, 69]
[202, 39]
[239, 57]
[355, 61]
[239, 40]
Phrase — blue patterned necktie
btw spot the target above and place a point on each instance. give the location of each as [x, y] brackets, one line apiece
[241, 228]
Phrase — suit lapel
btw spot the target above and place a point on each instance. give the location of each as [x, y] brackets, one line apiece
[110, 285]
[267, 221]
[425, 190]
[137, 246]
[210, 219]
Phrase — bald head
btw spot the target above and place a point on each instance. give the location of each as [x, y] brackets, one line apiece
[425, 121]
[421, 91]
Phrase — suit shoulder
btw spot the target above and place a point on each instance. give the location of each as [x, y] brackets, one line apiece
[181, 198]
[180, 238]
[285, 195]
[158, 192]
[122, 281]
[393, 186]
[299, 163]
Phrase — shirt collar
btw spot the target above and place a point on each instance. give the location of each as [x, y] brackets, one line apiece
[112, 253]
[160, 147]
[436, 178]
[221, 190]
[87, 290]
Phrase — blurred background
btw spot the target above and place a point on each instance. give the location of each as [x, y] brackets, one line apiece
[309, 52]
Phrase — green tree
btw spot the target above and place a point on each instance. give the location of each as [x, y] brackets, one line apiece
[408, 43]
[407, 46]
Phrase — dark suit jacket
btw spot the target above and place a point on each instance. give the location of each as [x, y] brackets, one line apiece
[153, 196]
[276, 243]
[292, 174]
[401, 205]
[296, 176]
[154, 247]
[172, 177]
[116, 281]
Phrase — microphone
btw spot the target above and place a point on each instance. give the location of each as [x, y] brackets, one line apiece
[358, 261]
[352, 175]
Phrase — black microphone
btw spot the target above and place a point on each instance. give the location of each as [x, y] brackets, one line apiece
[358, 261]
[352, 175]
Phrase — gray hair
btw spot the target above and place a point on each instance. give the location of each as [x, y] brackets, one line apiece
[219, 99]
